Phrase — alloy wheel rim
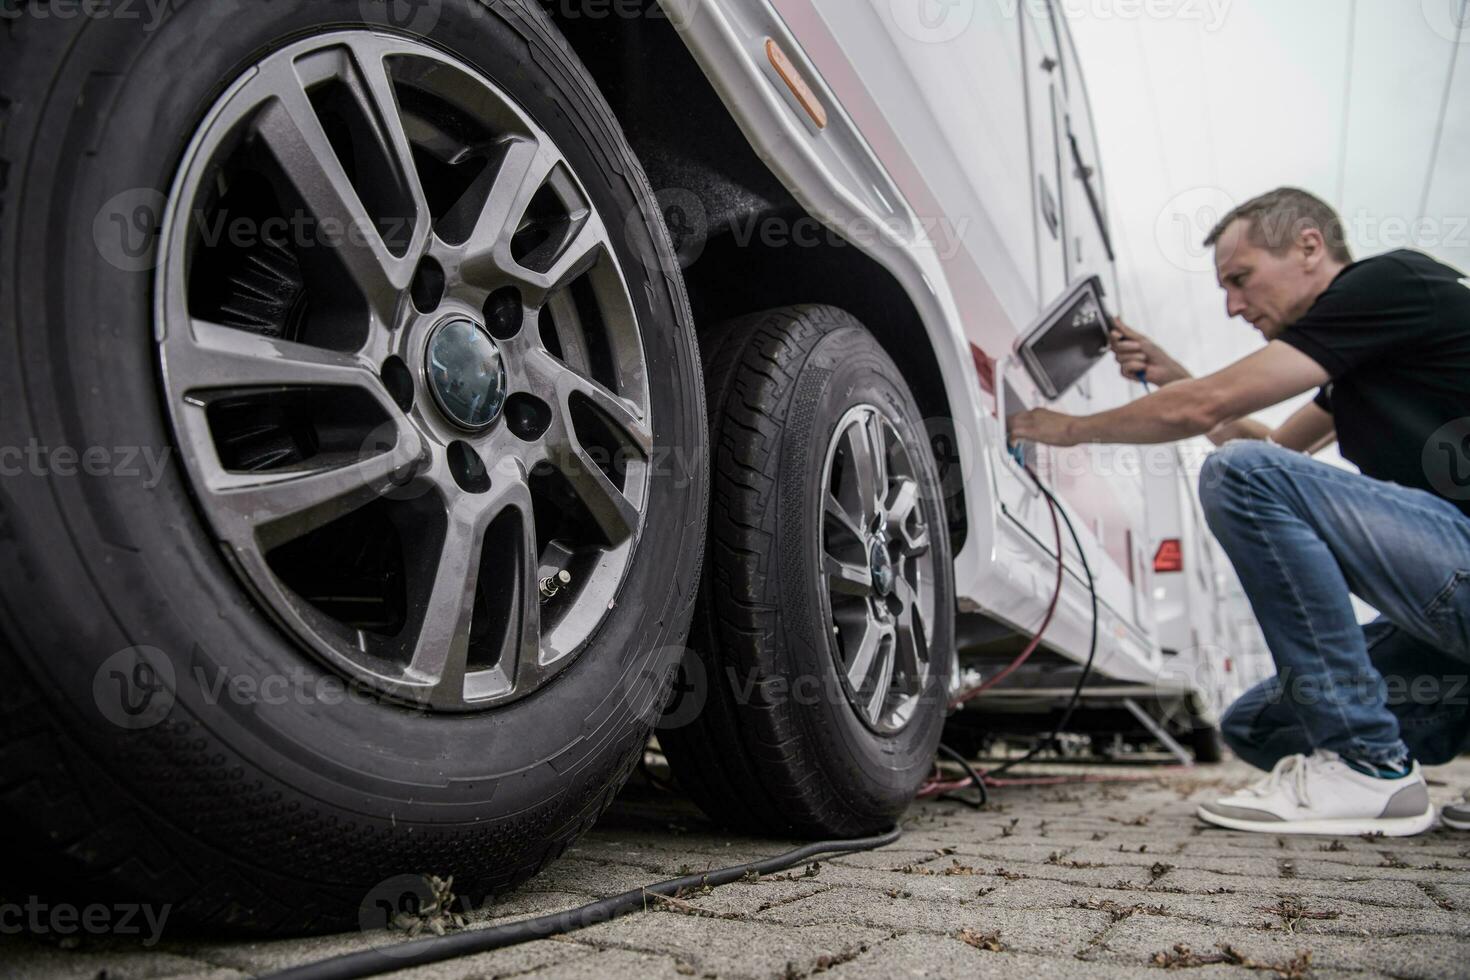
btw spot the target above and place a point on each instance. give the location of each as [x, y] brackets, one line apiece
[446, 532]
[877, 570]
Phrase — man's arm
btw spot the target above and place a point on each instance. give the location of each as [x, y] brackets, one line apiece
[1138, 356]
[1309, 430]
[1186, 408]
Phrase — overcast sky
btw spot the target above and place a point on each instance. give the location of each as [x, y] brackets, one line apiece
[1201, 104]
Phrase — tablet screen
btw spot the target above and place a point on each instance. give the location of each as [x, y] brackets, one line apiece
[1071, 346]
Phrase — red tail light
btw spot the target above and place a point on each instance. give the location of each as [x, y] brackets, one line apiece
[1169, 557]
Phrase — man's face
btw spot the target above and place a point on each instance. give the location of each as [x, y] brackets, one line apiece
[1269, 291]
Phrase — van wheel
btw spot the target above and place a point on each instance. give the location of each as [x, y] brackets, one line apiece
[375, 545]
[1207, 742]
[814, 691]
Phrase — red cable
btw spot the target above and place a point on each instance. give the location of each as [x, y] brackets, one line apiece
[966, 696]
[935, 787]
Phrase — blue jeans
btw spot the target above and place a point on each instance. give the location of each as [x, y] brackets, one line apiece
[1302, 536]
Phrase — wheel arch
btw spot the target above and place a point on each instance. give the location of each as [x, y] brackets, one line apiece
[755, 247]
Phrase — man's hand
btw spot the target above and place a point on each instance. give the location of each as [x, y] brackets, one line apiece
[1137, 355]
[1042, 425]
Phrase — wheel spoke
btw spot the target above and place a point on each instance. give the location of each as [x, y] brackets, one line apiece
[527, 668]
[912, 633]
[555, 383]
[382, 103]
[295, 136]
[861, 663]
[225, 357]
[584, 248]
[903, 504]
[523, 168]
[878, 439]
[833, 508]
[845, 578]
[622, 413]
[883, 676]
[441, 652]
[864, 472]
[614, 513]
[282, 507]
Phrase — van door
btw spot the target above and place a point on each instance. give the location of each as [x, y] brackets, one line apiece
[1102, 485]
[1109, 478]
[1015, 391]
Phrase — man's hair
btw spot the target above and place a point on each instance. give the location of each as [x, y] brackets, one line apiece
[1276, 219]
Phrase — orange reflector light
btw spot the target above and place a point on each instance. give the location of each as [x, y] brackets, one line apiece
[1169, 557]
[798, 85]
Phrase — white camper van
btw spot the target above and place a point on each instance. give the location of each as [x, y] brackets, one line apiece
[401, 383]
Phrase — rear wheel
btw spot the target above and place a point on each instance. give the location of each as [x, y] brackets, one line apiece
[1207, 742]
[396, 317]
[822, 642]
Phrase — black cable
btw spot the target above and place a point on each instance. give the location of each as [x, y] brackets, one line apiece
[436, 949]
[975, 780]
[1092, 644]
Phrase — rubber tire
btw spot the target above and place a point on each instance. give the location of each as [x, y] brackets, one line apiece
[752, 753]
[255, 815]
[1208, 743]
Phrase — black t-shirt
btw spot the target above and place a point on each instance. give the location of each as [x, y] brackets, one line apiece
[1393, 332]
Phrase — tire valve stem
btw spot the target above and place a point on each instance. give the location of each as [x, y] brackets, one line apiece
[553, 584]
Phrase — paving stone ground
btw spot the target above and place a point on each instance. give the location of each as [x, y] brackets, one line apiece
[1087, 880]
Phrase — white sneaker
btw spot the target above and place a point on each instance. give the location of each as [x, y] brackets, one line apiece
[1457, 815]
[1321, 794]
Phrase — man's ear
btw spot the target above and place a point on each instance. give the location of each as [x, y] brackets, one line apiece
[1313, 247]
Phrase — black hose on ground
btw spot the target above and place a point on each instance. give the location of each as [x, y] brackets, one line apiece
[401, 956]
[975, 780]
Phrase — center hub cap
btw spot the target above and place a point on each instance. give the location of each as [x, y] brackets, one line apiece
[466, 373]
[882, 568]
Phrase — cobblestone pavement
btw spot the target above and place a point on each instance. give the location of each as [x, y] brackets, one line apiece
[1093, 880]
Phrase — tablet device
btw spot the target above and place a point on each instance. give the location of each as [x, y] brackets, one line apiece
[1069, 338]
